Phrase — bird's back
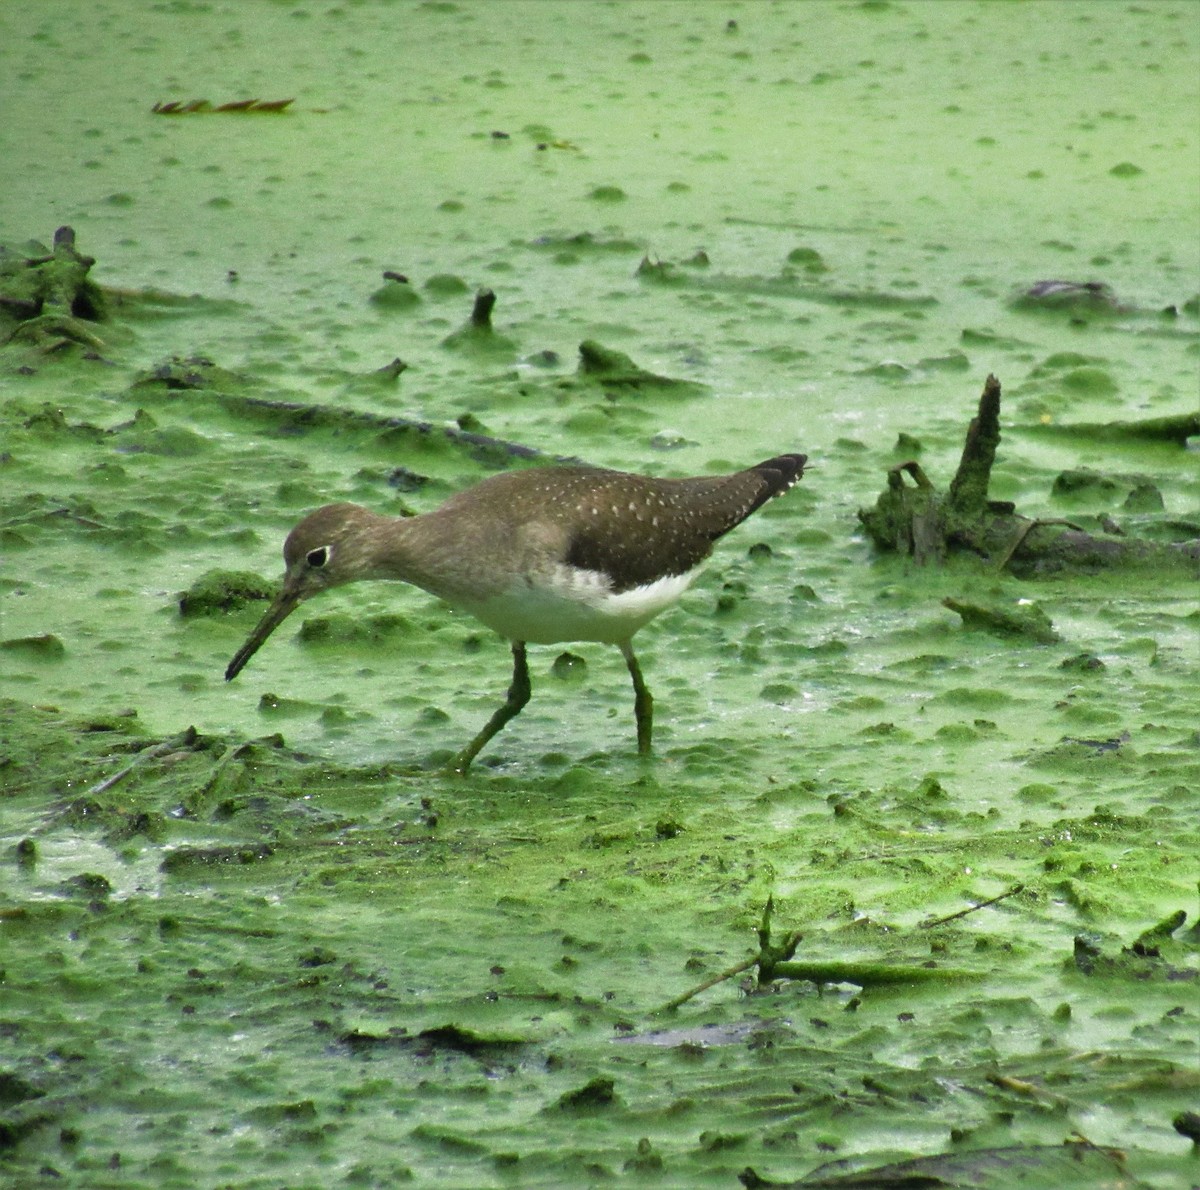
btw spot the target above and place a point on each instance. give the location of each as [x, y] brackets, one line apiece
[635, 529]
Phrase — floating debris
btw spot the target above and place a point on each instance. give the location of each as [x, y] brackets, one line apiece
[193, 107]
[1072, 296]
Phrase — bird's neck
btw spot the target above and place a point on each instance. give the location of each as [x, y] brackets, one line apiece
[450, 557]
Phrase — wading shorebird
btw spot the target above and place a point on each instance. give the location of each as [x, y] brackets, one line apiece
[542, 556]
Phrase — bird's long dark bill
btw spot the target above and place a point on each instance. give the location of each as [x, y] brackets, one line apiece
[279, 611]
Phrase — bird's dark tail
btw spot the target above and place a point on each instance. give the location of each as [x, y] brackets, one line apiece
[779, 474]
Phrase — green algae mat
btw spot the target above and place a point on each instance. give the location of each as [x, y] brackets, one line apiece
[908, 893]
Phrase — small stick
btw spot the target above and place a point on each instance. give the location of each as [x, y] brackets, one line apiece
[940, 921]
[186, 738]
[671, 1005]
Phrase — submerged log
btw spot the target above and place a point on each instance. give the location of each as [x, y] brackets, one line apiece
[198, 379]
[1176, 428]
[911, 516]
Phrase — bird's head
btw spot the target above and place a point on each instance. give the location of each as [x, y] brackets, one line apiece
[327, 548]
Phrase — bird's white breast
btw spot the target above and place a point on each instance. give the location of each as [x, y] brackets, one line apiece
[566, 604]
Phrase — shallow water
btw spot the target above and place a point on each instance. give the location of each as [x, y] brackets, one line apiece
[826, 730]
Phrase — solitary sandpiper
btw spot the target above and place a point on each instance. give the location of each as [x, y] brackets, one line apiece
[542, 556]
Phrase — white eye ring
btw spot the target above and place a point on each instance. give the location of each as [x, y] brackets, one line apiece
[319, 557]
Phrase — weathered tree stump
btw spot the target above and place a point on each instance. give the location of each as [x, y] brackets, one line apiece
[46, 297]
[919, 520]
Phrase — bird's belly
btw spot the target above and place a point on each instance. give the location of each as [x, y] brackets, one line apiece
[570, 604]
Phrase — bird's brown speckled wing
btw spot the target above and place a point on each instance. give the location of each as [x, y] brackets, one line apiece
[637, 529]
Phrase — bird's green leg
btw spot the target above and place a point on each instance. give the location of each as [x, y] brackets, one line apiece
[643, 703]
[518, 695]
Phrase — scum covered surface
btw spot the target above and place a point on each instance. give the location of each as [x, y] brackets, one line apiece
[241, 964]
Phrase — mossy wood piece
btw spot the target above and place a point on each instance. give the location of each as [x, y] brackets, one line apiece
[46, 297]
[616, 372]
[477, 335]
[1025, 620]
[919, 520]
[776, 961]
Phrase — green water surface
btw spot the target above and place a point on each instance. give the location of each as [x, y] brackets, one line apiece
[280, 949]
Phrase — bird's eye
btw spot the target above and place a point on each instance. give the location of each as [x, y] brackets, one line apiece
[318, 557]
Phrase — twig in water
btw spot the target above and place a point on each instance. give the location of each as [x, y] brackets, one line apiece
[729, 973]
[185, 739]
[767, 954]
[939, 921]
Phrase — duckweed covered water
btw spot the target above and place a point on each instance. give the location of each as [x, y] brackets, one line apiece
[251, 938]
